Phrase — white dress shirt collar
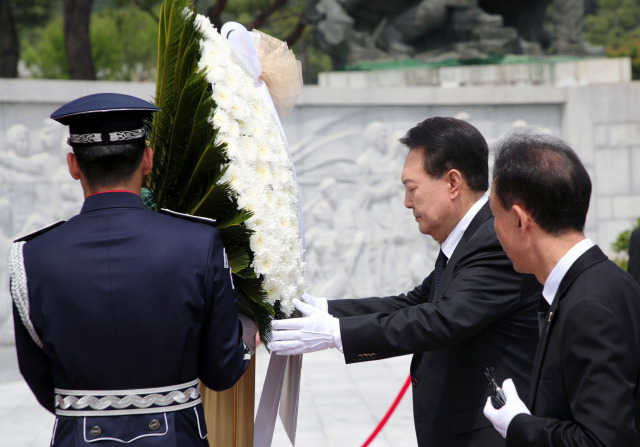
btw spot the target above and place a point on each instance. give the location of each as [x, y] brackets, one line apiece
[451, 242]
[562, 267]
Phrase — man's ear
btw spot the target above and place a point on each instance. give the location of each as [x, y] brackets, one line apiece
[74, 169]
[147, 161]
[454, 178]
[522, 217]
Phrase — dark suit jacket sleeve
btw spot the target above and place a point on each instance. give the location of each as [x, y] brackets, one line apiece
[634, 255]
[600, 379]
[34, 365]
[221, 349]
[362, 306]
[483, 288]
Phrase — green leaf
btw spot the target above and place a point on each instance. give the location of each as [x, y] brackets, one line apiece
[189, 164]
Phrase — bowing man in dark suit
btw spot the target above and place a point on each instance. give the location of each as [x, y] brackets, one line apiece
[585, 384]
[473, 311]
[120, 310]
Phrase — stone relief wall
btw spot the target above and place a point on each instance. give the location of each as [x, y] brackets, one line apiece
[35, 190]
[360, 239]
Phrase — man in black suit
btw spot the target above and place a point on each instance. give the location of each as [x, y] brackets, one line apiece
[585, 382]
[473, 311]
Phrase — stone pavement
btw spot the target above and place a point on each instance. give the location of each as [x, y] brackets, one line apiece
[340, 404]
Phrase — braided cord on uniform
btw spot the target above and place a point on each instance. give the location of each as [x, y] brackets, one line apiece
[19, 290]
[133, 400]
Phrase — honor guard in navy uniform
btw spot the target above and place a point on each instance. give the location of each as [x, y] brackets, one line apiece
[120, 310]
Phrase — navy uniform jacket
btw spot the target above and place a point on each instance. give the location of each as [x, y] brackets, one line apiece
[585, 388]
[483, 314]
[126, 298]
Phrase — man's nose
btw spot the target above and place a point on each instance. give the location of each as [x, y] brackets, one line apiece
[408, 202]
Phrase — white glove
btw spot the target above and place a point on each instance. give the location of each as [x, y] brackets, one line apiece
[316, 331]
[501, 418]
[319, 302]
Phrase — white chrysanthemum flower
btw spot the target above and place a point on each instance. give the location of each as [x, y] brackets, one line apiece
[274, 290]
[220, 121]
[224, 98]
[249, 127]
[284, 174]
[202, 24]
[258, 107]
[287, 306]
[234, 145]
[241, 112]
[250, 148]
[265, 263]
[264, 174]
[215, 73]
[233, 176]
[236, 77]
[233, 130]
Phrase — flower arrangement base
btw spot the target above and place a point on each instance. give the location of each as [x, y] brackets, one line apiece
[229, 413]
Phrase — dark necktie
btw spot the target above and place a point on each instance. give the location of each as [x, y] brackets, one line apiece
[441, 263]
[543, 310]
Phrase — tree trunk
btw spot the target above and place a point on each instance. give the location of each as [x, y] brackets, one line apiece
[297, 32]
[77, 42]
[144, 8]
[9, 45]
[266, 13]
[215, 11]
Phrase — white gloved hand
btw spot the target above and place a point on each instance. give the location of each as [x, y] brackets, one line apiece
[501, 418]
[316, 331]
[316, 301]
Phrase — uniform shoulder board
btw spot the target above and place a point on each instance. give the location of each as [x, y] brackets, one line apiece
[189, 217]
[43, 230]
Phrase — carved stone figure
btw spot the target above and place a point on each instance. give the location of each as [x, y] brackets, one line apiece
[376, 186]
[528, 18]
[45, 157]
[14, 161]
[18, 172]
[326, 275]
[357, 30]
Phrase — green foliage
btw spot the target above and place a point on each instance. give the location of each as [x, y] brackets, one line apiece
[630, 50]
[142, 4]
[123, 44]
[621, 247]
[243, 11]
[189, 163]
[124, 36]
[617, 28]
[44, 53]
[33, 13]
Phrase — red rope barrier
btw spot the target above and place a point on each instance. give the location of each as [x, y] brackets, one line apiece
[389, 413]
